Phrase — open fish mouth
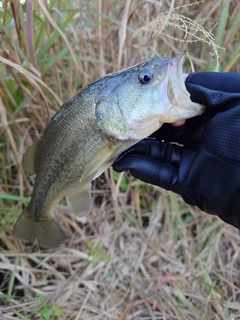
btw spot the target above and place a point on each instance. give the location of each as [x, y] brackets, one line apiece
[176, 91]
[181, 75]
[176, 82]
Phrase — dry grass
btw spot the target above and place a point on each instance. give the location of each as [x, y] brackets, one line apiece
[142, 253]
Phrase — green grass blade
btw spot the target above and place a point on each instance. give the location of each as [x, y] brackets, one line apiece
[81, 58]
[222, 23]
[233, 59]
[54, 59]
[234, 27]
[12, 197]
[55, 35]
[21, 316]
[12, 279]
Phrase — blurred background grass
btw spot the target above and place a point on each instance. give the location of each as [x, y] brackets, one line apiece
[141, 253]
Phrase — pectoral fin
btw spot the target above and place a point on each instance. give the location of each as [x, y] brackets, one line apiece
[103, 168]
[100, 162]
[80, 202]
[28, 159]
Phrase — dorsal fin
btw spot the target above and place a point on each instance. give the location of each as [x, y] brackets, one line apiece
[28, 159]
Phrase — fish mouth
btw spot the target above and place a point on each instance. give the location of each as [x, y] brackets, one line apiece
[176, 84]
[177, 91]
[181, 75]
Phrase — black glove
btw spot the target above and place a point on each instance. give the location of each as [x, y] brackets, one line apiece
[205, 170]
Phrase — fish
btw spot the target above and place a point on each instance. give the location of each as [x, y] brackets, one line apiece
[90, 131]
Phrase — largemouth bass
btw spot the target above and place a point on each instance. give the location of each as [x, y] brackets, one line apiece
[90, 130]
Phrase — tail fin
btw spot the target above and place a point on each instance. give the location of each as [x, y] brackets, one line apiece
[47, 232]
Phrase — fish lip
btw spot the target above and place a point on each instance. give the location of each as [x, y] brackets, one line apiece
[176, 79]
[177, 91]
[181, 60]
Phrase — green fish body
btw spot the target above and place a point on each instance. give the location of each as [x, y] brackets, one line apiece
[90, 130]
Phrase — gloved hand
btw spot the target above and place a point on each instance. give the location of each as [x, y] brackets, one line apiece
[205, 170]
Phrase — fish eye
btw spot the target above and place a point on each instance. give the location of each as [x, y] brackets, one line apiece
[145, 76]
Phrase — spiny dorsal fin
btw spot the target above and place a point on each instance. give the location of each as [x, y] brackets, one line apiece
[28, 159]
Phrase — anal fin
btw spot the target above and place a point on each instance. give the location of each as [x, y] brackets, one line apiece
[80, 202]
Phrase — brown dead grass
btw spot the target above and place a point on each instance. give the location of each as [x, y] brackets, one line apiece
[142, 253]
[154, 271]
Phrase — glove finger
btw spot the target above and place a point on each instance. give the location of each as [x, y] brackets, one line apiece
[216, 90]
[149, 170]
[190, 133]
[153, 149]
[220, 81]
